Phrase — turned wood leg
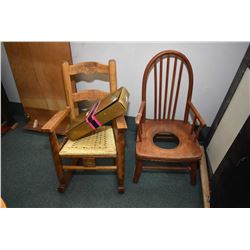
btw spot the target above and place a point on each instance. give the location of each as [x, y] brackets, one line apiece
[193, 173]
[62, 176]
[120, 162]
[138, 170]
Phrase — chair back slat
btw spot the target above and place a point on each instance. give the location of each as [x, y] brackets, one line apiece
[177, 90]
[69, 71]
[172, 88]
[90, 95]
[171, 64]
[155, 90]
[160, 90]
[88, 68]
[166, 88]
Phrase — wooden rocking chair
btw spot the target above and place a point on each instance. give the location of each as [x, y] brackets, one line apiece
[107, 143]
[165, 127]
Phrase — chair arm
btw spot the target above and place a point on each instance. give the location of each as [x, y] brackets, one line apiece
[140, 113]
[55, 120]
[197, 114]
[120, 123]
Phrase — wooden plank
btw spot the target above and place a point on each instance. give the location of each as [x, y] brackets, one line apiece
[30, 91]
[72, 167]
[204, 180]
[51, 125]
[47, 58]
[91, 94]
[42, 116]
[88, 68]
[176, 168]
[36, 67]
[120, 123]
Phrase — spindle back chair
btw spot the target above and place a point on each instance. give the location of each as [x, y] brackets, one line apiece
[167, 69]
[107, 142]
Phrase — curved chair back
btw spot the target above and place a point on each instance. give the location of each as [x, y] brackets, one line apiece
[167, 69]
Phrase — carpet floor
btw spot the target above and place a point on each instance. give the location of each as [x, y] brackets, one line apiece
[28, 179]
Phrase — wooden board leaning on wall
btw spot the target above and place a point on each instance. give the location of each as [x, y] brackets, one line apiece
[36, 68]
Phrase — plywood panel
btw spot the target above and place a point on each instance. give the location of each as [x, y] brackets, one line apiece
[28, 87]
[231, 123]
[37, 71]
[47, 60]
[36, 67]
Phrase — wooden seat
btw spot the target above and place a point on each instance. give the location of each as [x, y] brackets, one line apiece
[186, 150]
[164, 125]
[105, 142]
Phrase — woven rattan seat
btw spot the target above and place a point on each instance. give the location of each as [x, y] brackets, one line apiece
[100, 143]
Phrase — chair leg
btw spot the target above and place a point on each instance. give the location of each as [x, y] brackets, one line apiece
[193, 173]
[120, 162]
[63, 177]
[138, 170]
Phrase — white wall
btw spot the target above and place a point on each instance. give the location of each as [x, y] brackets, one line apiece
[214, 66]
[7, 77]
[231, 122]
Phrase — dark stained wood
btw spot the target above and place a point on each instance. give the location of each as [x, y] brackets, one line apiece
[166, 89]
[64, 172]
[166, 168]
[138, 170]
[155, 91]
[120, 161]
[177, 90]
[164, 125]
[187, 150]
[172, 88]
[160, 90]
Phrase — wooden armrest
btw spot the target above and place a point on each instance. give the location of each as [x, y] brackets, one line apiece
[55, 120]
[120, 123]
[197, 114]
[140, 113]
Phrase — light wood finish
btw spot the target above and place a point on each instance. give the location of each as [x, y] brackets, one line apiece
[108, 168]
[88, 95]
[2, 203]
[36, 68]
[53, 123]
[164, 125]
[204, 180]
[43, 116]
[83, 150]
[88, 68]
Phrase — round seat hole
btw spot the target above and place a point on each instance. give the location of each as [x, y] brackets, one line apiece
[166, 140]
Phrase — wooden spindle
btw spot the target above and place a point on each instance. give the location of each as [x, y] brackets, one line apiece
[193, 125]
[160, 90]
[155, 79]
[196, 137]
[166, 89]
[140, 131]
[177, 90]
[172, 88]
